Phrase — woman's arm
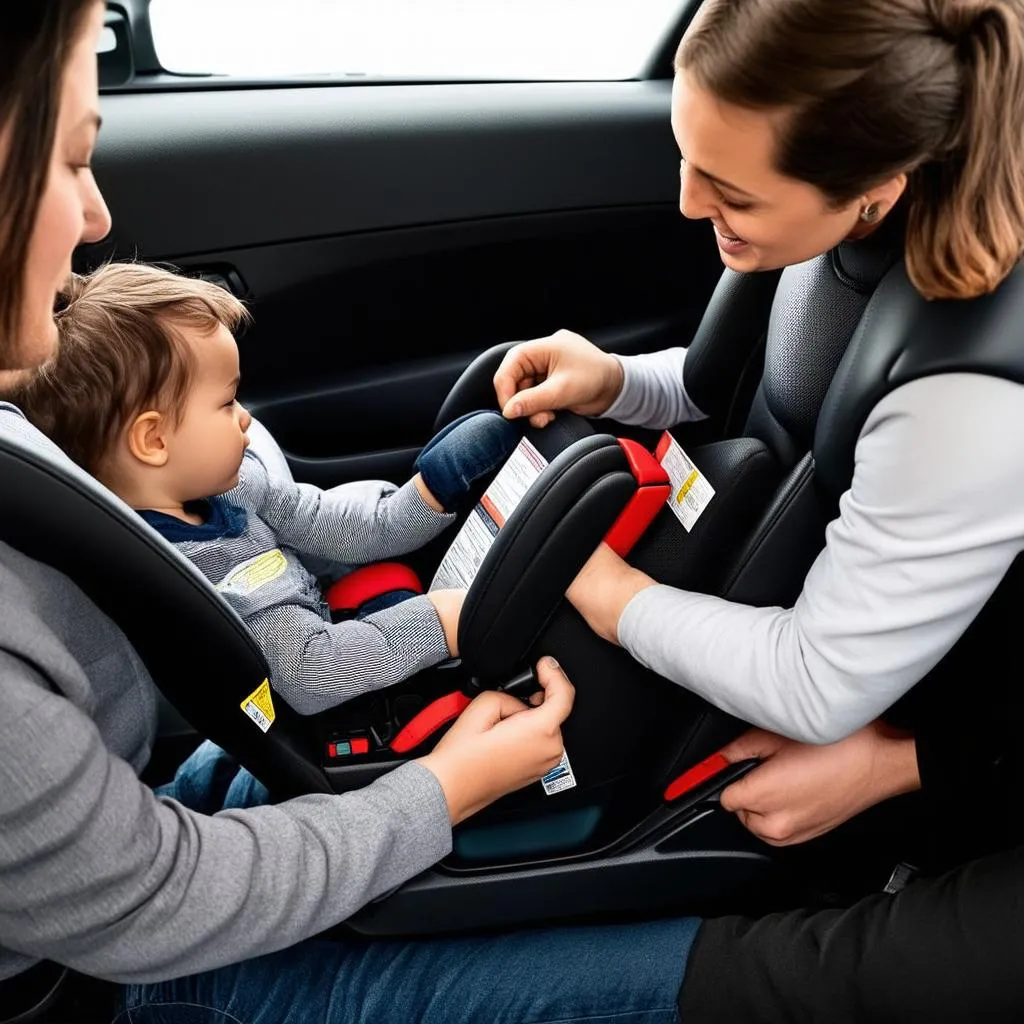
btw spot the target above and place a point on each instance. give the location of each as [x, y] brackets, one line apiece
[101, 875]
[802, 791]
[653, 391]
[932, 521]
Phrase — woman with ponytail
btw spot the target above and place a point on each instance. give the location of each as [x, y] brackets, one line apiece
[802, 124]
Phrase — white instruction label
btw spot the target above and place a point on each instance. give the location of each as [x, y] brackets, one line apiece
[471, 544]
[691, 491]
[560, 777]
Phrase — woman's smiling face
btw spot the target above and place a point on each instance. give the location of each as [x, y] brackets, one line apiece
[762, 219]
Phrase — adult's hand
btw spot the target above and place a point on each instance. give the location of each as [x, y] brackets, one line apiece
[803, 791]
[498, 744]
[562, 371]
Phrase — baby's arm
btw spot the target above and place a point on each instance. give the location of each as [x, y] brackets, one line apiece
[315, 664]
[371, 520]
[354, 523]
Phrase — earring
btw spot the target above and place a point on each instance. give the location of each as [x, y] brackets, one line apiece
[870, 213]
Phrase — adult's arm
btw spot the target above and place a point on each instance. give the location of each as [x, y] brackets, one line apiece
[566, 371]
[932, 521]
[98, 873]
[653, 392]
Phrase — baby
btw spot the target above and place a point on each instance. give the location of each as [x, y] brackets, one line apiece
[142, 395]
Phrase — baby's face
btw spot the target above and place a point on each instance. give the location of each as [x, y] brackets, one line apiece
[206, 448]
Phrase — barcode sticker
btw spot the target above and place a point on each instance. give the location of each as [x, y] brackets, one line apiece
[560, 777]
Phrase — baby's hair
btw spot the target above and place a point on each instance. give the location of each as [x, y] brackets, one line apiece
[120, 353]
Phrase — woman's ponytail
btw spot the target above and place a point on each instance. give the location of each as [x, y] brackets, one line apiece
[965, 228]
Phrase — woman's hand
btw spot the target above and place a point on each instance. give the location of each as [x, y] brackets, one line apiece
[499, 745]
[803, 791]
[563, 371]
[603, 588]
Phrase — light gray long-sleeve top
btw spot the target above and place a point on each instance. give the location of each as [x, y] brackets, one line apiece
[96, 871]
[931, 522]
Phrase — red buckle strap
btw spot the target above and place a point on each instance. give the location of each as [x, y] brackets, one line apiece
[652, 491]
[435, 715]
[362, 585]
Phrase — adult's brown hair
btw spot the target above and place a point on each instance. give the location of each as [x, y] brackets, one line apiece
[35, 40]
[874, 88]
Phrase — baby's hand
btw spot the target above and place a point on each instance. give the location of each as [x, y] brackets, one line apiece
[448, 605]
[466, 450]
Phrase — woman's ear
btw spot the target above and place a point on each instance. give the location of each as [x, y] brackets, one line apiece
[885, 196]
[876, 204]
[147, 439]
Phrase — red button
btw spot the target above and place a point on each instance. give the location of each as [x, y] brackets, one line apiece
[332, 750]
[360, 745]
[696, 775]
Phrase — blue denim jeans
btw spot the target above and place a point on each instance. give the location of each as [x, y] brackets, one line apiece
[387, 600]
[611, 974]
[605, 974]
[466, 450]
[210, 780]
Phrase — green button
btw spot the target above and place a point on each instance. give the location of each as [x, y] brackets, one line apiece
[344, 748]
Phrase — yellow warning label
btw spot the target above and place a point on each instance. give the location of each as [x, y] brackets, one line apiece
[254, 573]
[687, 484]
[259, 706]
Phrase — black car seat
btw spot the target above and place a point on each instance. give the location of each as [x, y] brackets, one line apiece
[198, 651]
[897, 337]
[614, 842]
[631, 733]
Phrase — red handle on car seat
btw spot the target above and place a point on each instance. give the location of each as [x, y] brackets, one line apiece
[695, 776]
[362, 585]
[710, 778]
[652, 491]
[436, 714]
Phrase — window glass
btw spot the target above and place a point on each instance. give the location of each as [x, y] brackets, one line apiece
[446, 39]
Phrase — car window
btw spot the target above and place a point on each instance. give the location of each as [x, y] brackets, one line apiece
[411, 39]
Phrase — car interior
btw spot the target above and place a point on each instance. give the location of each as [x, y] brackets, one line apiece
[393, 241]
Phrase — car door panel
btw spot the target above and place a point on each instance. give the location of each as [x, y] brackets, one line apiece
[384, 236]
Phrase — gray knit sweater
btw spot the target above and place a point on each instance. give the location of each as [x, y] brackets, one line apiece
[314, 663]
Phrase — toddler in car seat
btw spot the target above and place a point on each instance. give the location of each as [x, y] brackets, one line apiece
[141, 394]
